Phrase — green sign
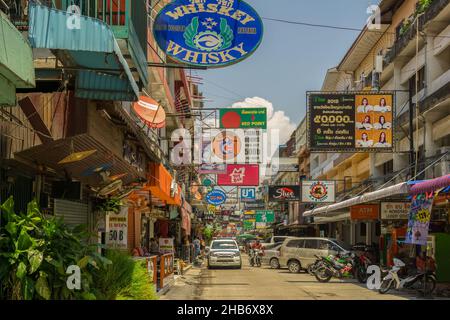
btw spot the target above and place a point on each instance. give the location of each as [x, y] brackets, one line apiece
[249, 224]
[243, 118]
[266, 216]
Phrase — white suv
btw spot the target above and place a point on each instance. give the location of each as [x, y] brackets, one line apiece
[224, 253]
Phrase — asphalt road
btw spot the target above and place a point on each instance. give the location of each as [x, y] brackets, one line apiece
[253, 283]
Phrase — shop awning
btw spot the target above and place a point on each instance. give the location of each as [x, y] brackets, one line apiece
[160, 184]
[50, 153]
[91, 50]
[430, 185]
[16, 62]
[401, 188]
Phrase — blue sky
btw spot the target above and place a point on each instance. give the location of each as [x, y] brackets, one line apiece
[291, 59]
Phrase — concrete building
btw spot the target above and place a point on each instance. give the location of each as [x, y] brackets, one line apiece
[408, 54]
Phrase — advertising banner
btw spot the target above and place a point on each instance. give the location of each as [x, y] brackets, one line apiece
[166, 245]
[284, 193]
[216, 197]
[266, 216]
[117, 229]
[231, 146]
[254, 205]
[346, 122]
[318, 191]
[285, 165]
[248, 194]
[419, 221]
[208, 33]
[214, 168]
[239, 175]
[243, 118]
[395, 210]
[365, 212]
[249, 224]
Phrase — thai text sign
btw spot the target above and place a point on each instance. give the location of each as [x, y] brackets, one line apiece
[210, 33]
[216, 197]
[350, 122]
[284, 193]
[419, 221]
[365, 212]
[318, 191]
[117, 229]
[265, 216]
[395, 210]
[243, 118]
[248, 194]
[239, 175]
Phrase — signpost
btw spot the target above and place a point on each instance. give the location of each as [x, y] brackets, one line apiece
[248, 194]
[239, 175]
[117, 229]
[284, 193]
[216, 197]
[263, 218]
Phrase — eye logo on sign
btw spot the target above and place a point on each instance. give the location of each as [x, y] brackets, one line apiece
[216, 197]
[210, 33]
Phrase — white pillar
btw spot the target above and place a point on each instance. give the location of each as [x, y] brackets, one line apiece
[430, 145]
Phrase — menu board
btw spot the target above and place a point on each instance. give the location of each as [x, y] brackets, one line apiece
[350, 122]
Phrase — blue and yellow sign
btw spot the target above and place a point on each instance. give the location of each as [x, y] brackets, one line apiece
[209, 33]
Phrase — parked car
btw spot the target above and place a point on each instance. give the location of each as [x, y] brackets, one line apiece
[271, 255]
[277, 239]
[297, 253]
[224, 253]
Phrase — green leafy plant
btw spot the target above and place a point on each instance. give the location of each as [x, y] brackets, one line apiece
[141, 286]
[422, 6]
[35, 253]
[114, 277]
[112, 204]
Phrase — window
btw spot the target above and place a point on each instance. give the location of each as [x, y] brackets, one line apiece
[323, 245]
[362, 229]
[295, 244]
[311, 244]
[388, 167]
[420, 84]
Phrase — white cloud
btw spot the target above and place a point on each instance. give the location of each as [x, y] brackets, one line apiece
[276, 119]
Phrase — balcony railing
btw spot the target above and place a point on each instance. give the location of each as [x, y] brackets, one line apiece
[404, 38]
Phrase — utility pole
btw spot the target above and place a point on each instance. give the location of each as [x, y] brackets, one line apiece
[411, 133]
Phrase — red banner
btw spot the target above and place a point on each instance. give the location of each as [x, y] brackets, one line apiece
[239, 175]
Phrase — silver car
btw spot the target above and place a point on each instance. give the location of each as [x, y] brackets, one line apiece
[297, 253]
[271, 255]
[224, 253]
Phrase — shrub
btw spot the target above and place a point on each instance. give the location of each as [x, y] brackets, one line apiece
[141, 286]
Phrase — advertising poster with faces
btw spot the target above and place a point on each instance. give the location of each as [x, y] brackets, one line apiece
[373, 121]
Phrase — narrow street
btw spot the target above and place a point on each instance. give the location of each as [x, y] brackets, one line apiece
[252, 283]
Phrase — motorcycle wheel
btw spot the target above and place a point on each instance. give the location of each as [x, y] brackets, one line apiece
[361, 275]
[430, 285]
[311, 269]
[322, 274]
[386, 285]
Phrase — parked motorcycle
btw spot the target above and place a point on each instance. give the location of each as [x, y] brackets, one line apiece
[338, 267]
[422, 281]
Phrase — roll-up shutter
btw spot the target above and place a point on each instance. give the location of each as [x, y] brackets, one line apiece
[74, 213]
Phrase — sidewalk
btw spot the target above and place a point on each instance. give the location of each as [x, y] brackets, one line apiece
[185, 286]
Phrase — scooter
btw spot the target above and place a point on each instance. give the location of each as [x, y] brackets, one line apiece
[422, 281]
[255, 257]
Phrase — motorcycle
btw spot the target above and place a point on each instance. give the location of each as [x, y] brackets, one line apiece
[255, 257]
[422, 281]
[338, 267]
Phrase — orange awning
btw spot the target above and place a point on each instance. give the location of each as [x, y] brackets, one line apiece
[159, 184]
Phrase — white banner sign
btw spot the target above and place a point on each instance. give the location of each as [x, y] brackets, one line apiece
[318, 191]
[166, 245]
[117, 229]
[395, 210]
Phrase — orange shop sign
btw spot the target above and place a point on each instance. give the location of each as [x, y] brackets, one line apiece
[365, 212]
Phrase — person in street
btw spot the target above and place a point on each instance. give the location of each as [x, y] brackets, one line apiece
[154, 246]
[196, 243]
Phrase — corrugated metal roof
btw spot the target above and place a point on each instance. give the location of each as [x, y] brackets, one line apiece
[16, 61]
[92, 47]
